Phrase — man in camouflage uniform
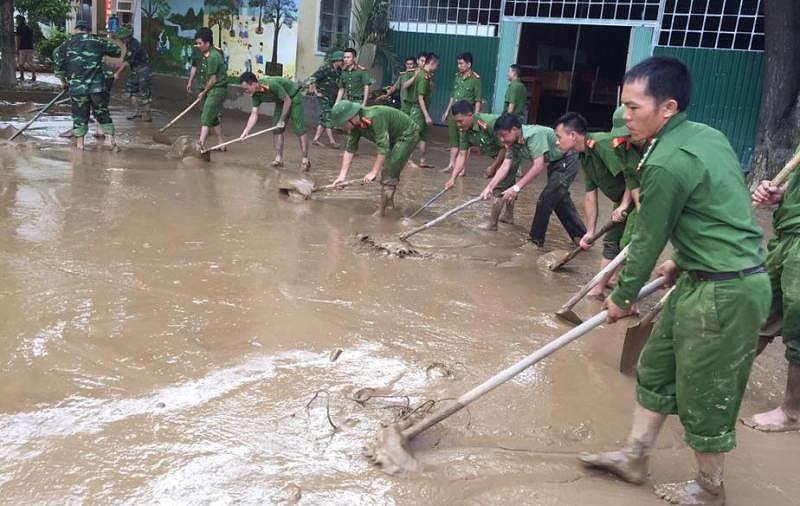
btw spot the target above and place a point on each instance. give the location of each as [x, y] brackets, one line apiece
[324, 84]
[138, 84]
[78, 62]
[466, 86]
[354, 81]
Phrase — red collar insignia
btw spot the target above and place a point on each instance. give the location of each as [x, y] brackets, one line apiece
[590, 143]
[365, 122]
[483, 125]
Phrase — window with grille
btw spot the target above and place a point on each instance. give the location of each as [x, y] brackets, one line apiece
[715, 24]
[334, 24]
[574, 10]
[462, 17]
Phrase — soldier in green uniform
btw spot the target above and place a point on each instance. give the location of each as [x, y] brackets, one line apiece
[285, 94]
[466, 86]
[354, 80]
[783, 263]
[478, 130]
[324, 84]
[516, 95]
[395, 137]
[537, 144]
[409, 81]
[419, 110]
[213, 79]
[78, 62]
[138, 84]
[410, 69]
[698, 358]
[629, 149]
[603, 171]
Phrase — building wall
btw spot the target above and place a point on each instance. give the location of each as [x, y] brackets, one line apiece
[726, 92]
[308, 59]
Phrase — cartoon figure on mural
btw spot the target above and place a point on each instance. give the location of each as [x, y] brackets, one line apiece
[163, 42]
[226, 53]
[260, 55]
[248, 61]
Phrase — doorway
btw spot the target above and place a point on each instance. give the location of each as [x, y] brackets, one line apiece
[573, 68]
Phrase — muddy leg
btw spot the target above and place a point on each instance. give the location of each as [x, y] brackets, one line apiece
[508, 215]
[630, 463]
[494, 214]
[705, 490]
[137, 112]
[387, 198]
[277, 143]
[305, 164]
[597, 290]
[315, 141]
[785, 417]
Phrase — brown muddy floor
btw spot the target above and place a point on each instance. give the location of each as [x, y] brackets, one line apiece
[168, 329]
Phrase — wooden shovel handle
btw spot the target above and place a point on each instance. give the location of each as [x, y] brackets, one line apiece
[338, 185]
[238, 139]
[406, 235]
[785, 172]
[657, 308]
[613, 264]
[179, 116]
[572, 254]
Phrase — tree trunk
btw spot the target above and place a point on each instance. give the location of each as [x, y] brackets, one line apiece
[779, 119]
[277, 26]
[8, 78]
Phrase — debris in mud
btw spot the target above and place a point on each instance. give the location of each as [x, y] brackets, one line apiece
[438, 370]
[335, 354]
[393, 247]
[327, 407]
[183, 147]
[290, 494]
[294, 185]
[7, 132]
[161, 405]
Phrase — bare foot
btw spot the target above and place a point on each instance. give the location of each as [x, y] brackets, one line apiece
[691, 493]
[776, 420]
[316, 142]
[624, 463]
[449, 168]
[507, 219]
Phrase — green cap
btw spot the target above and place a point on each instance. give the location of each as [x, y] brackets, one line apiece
[124, 31]
[343, 111]
[337, 56]
[618, 128]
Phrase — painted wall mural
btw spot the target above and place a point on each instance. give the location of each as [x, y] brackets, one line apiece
[254, 35]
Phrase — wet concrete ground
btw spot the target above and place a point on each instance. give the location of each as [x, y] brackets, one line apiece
[168, 329]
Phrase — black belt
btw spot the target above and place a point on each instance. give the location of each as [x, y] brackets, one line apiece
[725, 276]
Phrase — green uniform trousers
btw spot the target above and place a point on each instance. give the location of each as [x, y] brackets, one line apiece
[83, 106]
[612, 239]
[138, 84]
[398, 156]
[452, 132]
[296, 116]
[698, 358]
[325, 105]
[630, 223]
[508, 181]
[405, 106]
[783, 264]
[211, 107]
[418, 118]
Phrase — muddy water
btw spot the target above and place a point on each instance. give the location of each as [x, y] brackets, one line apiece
[169, 326]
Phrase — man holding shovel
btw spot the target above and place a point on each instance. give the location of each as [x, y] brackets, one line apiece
[538, 144]
[213, 79]
[395, 137]
[603, 171]
[478, 130]
[138, 84]
[783, 262]
[285, 94]
[698, 358]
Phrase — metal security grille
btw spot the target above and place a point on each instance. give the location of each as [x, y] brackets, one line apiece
[460, 17]
[579, 11]
[713, 24]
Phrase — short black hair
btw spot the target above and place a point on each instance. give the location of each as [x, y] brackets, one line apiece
[666, 78]
[411, 58]
[431, 56]
[573, 122]
[467, 57]
[506, 122]
[205, 34]
[247, 77]
[423, 54]
[515, 68]
[351, 50]
[463, 107]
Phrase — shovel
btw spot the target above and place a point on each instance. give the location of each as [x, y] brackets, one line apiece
[572, 254]
[206, 153]
[304, 186]
[406, 235]
[391, 453]
[41, 111]
[429, 202]
[636, 336]
[785, 172]
[163, 139]
[565, 312]
[59, 102]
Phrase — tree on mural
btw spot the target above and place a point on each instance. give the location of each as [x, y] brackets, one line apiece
[779, 120]
[279, 13]
[153, 12]
[220, 13]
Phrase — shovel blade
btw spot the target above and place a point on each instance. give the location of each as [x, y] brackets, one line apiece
[162, 138]
[635, 339]
[390, 452]
[569, 316]
[292, 183]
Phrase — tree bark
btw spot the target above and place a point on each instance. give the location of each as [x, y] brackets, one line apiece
[779, 120]
[8, 61]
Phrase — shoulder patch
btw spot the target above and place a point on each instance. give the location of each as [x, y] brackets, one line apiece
[590, 143]
[617, 142]
[483, 125]
[475, 74]
[365, 122]
[361, 67]
[264, 87]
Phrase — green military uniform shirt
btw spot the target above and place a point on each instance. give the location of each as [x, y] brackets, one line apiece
[213, 64]
[79, 61]
[383, 125]
[693, 194]
[467, 87]
[602, 167]
[423, 87]
[482, 135]
[786, 219]
[516, 94]
[353, 81]
[274, 89]
[407, 96]
[326, 79]
[630, 157]
[135, 54]
[535, 141]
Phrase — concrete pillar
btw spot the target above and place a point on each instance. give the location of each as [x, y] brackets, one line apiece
[507, 55]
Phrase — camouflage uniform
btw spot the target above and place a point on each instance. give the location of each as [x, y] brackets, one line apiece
[326, 79]
[138, 83]
[79, 61]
